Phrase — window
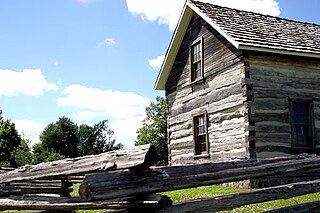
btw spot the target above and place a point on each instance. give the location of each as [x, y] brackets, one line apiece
[302, 123]
[200, 134]
[196, 58]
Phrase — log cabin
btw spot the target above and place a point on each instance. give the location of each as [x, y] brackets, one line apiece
[240, 85]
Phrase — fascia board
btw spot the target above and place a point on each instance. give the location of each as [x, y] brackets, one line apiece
[212, 24]
[278, 51]
[173, 48]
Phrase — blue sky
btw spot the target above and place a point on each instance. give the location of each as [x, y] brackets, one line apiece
[92, 60]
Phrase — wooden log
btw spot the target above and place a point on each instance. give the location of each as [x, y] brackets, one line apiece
[301, 208]
[103, 186]
[58, 187]
[153, 201]
[20, 190]
[231, 201]
[139, 157]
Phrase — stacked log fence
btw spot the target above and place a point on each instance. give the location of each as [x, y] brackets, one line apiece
[126, 181]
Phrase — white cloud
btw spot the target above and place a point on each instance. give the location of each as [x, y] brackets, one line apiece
[28, 82]
[87, 115]
[113, 104]
[157, 62]
[56, 63]
[168, 11]
[108, 42]
[162, 11]
[267, 7]
[86, 1]
[125, 130]
[124, 110]
[29, 129]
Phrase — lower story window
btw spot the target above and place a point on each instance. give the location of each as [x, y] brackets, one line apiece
[302, 124]
[200, 134]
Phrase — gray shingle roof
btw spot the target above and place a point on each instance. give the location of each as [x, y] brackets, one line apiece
[257, 30]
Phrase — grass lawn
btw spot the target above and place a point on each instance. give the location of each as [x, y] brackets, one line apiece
[208, 191]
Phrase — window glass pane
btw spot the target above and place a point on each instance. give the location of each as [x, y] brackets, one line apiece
[196, 52]
[300, 113]
[197, 70]
[201, 125]
[301, 123]
[196, 61]
[200, 134]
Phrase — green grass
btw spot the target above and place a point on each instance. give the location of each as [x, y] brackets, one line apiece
[200, 192]
[209, 191]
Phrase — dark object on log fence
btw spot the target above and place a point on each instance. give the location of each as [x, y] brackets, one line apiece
[132, 189]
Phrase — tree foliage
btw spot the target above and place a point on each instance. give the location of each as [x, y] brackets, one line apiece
[42, 154]
[61, 138]
[154, 128]
[9, 141]
[96, 139]
[65, 138]
[22, 154]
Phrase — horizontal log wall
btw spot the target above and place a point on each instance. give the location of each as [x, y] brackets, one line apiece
[277, 79]
[221, 94]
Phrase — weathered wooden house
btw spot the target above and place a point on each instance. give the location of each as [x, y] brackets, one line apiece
[240, 85]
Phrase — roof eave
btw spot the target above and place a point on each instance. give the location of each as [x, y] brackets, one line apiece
[279, 51]
[187, 13]
[173, 48]
[212, 24]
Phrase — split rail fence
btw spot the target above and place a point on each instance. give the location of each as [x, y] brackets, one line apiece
[124, 180]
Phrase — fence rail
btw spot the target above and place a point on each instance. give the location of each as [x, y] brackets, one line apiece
[134, 186]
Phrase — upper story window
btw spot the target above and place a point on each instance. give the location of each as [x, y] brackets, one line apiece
[196, 58]
[200, 134]
[302, 124]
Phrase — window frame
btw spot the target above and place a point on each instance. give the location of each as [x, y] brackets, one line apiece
[196, 137]
[193, 79]
[310, 143]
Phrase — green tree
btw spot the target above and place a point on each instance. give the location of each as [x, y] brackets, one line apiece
[96, 139]
[61, 138]
[9, 141]
[42, 154]
[154, 128]
[22, 154]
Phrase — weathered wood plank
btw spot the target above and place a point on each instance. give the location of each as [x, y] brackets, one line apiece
[20, 190]
[231, 201]
[153, 201]
[135, 158]
[313, 207]
[100, 186]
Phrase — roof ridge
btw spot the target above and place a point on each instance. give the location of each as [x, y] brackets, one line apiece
[245, 11]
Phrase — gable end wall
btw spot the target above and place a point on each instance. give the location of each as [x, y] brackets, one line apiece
[222, 94]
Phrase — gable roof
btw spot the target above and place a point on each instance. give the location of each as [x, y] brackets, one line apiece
[245, 31]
